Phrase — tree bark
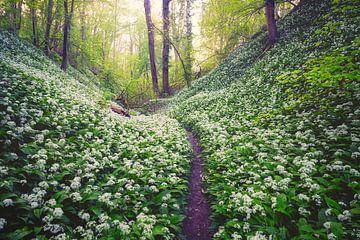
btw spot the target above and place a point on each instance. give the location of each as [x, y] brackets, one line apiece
[67, 22]
[151, 43]
[166, 47]
[188, 44]
[174, 27]
[271, 23]
[19, 13]
[34, 23]
[49, 19]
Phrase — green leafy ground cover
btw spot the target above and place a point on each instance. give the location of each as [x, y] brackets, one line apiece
[72, 170]
[281, 133]
[280, 137]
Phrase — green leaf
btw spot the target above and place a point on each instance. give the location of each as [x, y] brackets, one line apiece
[331, 203]
[304, 227]
[337, 229]
[38, 212]
[158, 230]
[20, 233]
[282, 204]
[355, 211]
[96, 210]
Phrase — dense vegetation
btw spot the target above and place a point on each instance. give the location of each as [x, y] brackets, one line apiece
[279, 129]
[71, 169]
[281, 133]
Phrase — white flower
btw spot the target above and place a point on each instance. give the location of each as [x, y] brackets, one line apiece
[43, 184]
[58, 212]
[304, 212]
[3, 222]
[327, 225]
[328, 212]
[331, 236]
[8, 202]
[76, 183]
[236, 236]
[303, 197]
[76, 197]
[346, 215]
[51, 202]
[84, 216]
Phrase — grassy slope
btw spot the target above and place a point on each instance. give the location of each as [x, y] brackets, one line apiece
[70, 169]
[281, 134]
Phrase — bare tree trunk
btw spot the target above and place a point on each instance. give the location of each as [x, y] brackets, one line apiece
[175, 37]
[19, 14]
[151, 43]
[56, 29]
[166, 47]
[115, 30]
[34, 23]
[271, 23]
[82, 32]
[48, 26]
[188, 44]
[67, 22]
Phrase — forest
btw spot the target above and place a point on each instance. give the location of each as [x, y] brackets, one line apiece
[180, 119]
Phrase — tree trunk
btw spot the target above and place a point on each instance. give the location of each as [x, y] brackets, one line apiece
[166, 47]
[54, 40]
[151, 43]
[19, 14]
[67, 22]
[82, 33]
[271, 23]
[48, 27]
[34, 23]
[174, 26]
[188, 44]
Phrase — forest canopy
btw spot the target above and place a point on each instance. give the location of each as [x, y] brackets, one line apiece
[109, 38]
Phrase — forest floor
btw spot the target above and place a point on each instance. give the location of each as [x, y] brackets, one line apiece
[197, 222]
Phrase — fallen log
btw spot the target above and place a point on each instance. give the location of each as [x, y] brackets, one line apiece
[119, 110]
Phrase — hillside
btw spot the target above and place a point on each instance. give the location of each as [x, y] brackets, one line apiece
[280, 133]
[71, 169]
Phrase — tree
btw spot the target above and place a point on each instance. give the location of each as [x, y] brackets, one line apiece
[151, 45]
[34, 23]
[271, 23]
[48, 26]
[67, 22]
[13, 10]
[188, 44]
[166, 47]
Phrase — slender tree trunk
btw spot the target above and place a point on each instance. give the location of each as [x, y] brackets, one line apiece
[82, 32]
[34, 23]
[56, 29]
[115, 29]
[271, 23]
[19, 14]
[188, 44]
[48, 26]
[12, 16]
[67, 22]
[166, 47]
[175, 37]
[151, 43]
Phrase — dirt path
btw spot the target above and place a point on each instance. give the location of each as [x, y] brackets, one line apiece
[197, 222]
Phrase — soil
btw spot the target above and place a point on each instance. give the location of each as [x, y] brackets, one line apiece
[197, 223]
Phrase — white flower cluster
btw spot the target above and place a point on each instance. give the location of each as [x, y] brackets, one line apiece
[278, 145]
[75, 159]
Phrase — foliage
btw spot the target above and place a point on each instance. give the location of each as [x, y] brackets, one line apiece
[71, 169]
[280, 132]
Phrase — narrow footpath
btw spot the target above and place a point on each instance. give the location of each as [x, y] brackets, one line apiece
[197, 223]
